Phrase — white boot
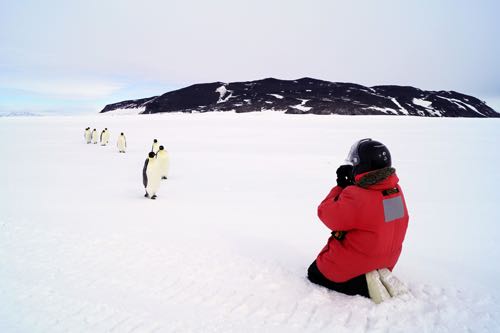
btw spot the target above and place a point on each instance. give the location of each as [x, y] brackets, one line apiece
[392, 283]
[376, 289]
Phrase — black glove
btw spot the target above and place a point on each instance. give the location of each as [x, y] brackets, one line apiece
[344, 176]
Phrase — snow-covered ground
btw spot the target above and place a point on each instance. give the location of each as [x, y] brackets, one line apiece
[226, 245]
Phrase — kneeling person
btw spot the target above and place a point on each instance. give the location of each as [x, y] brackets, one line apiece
[368, 217]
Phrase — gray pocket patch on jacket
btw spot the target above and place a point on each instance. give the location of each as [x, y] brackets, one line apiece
[393, 209]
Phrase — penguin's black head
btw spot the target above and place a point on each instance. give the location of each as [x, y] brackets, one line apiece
[161, 147]
[151, 154]
[155, 141]
[122, 133]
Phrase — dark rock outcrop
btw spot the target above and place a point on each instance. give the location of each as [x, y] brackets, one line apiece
[310, 96]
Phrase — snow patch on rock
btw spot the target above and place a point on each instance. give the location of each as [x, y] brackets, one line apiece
[302, 106]
[422, 102]
[427, 105]
[384, 110]
[402, 109]
[461, 104]
[224, 94]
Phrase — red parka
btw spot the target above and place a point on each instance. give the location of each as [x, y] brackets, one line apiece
[375, 219]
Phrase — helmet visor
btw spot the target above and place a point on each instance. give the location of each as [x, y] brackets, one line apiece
[353, 157]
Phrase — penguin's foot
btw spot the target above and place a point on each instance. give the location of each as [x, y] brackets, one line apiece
[153, 197]
[146, 195]
[164, 177]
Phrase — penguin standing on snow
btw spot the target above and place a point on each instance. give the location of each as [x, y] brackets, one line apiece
[102, 138]
[94, 136]
[163, 162]
[88, 135]
[151, 176]
[106, 136]
[155, 147]
[121, 143]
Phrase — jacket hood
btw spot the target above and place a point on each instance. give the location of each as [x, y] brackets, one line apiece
[378, 179]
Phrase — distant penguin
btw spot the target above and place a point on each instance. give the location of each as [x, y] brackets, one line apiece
[155, 147]
[95, 137]
[88, 135]
[163, 162]
[151, 176]
[121, 143]
[102, 138]
[106, 136]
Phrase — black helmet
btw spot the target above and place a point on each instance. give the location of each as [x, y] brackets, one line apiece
[368, 155]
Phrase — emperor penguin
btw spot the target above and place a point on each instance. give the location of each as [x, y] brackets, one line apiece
[102, 138]
[121, 143]
[151, 176]
[155, 147]
[94, 136]
[106, 136]
[163, 162]
[88, 135]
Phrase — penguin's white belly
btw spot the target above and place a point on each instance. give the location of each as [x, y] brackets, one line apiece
[154, 177]
[164, 164]
[121, 144]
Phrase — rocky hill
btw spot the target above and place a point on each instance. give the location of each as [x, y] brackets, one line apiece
[307, 95]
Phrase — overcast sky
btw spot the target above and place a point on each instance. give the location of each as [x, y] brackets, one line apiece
[63, 55]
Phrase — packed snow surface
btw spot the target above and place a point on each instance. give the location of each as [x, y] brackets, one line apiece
[127, 111]
[226, 245]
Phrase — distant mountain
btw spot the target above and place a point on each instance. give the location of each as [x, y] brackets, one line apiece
[19, 114]
[309, 96]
